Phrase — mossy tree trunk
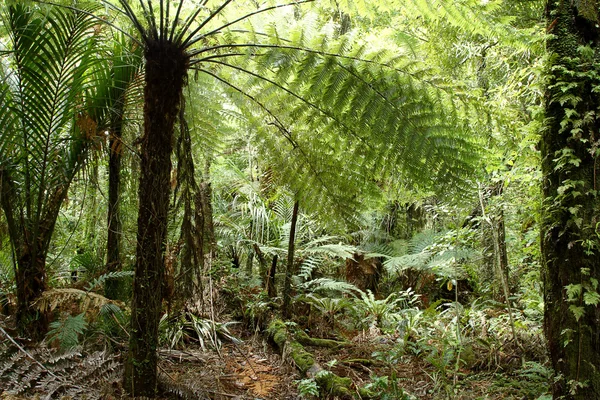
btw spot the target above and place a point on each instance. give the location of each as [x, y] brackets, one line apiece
[571, 208]
[166, 70]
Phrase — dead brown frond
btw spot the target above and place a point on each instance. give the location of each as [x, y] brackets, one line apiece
[74, 300]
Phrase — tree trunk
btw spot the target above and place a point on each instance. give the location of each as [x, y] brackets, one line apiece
[289, 270]
[571, 208]
[31, 283]
[166, 66]
[250, 264]
[30, 247]
[493, 232]
[114, 288]
[270, 280]
[210, 243]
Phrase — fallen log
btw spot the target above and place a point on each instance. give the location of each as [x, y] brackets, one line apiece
[329, 383]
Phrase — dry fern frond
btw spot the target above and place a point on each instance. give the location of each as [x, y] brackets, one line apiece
[185, 391]
[88, 302]
[39, 371]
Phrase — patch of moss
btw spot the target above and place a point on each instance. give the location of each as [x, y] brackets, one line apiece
[332, 384]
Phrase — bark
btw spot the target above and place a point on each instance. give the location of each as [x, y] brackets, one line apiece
[493, 232]
[30, 242]
[250, 264]
[166, 68]
[263, 266]
[191, 252]
[289, 271]
[271, 288]
[571, 208]
[210, 243]
[31, 283]
[114, 288]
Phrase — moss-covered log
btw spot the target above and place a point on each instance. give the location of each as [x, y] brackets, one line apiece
[306, 340]
[329, 382]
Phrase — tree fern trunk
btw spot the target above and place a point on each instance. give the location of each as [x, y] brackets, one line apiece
[571, 208]
[31, 283]
[166, 66]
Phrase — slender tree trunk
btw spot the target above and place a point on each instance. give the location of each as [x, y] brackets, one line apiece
[270, 279]
[571, 208]
[250, 264]
[166, 67]
[495, 260]
[210, 243]
[289, 270]
[114, 288]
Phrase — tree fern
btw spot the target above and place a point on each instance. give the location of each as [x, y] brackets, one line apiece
[390, 117]
[46, 132]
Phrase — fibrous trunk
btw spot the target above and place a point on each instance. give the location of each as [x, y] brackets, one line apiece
[571, 208]
[166, 66]
[31, 283]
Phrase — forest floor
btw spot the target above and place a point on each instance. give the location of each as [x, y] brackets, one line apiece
[253, 369]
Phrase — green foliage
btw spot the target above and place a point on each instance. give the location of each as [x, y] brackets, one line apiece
[109, 275]
[443, 254]
[329, 286]
[67, 331]
[178, 329]
[327, 306]
[46, 132]
[307, 388]
[381, 313]
[386, 388]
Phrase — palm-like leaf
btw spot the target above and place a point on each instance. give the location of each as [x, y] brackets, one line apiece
[48, 129]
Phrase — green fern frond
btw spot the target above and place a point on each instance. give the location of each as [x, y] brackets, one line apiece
[109, 275]
[327, 285]
[67, 331]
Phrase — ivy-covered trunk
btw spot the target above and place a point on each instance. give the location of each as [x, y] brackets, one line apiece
[166, 69]
[571, 208]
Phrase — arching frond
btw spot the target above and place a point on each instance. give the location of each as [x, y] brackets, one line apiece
[47, 130]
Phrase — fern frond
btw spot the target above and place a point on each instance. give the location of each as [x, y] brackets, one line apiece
[67, 331]
[327, 285]
[109, 275]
